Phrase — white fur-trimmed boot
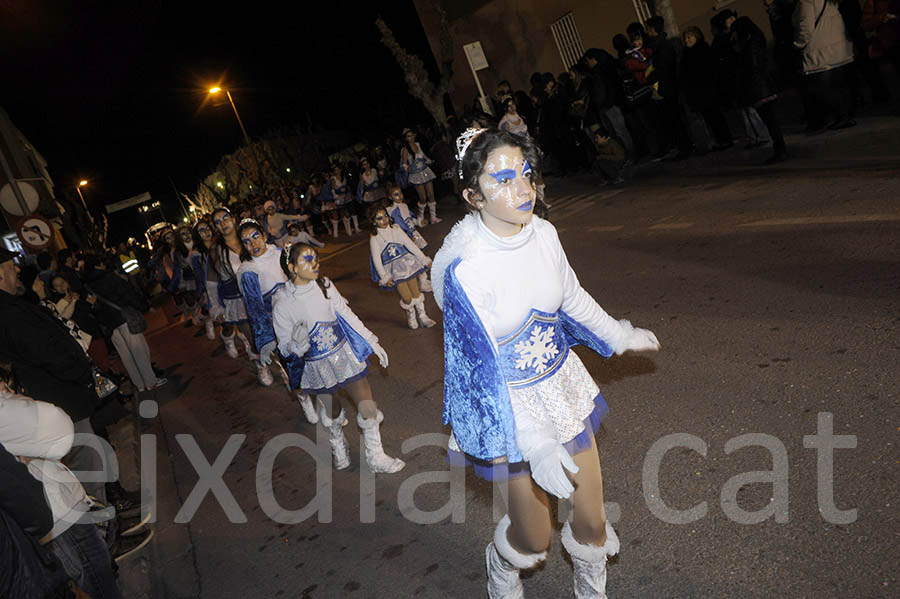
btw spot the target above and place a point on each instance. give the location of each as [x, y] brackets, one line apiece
[355, 220]
[347, 228]
[339, 448]
[423, 220]
[334, 228]
[590, 562]
[230, 347]
[419, 304]
[309, 410]
[424, 283]
[247, 346]
[504, 562]
[410, 313]
[432, 208]
[377, 460]
[210, 328]
[263, 374]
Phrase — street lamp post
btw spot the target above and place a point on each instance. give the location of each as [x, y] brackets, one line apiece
[81, 184]
[215, 90]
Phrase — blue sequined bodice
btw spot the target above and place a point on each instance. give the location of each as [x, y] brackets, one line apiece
[324, 339]
[534, 351]
[392, 251]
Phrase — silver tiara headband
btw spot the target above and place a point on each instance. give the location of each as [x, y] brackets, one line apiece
[249, 220]
[462, 144]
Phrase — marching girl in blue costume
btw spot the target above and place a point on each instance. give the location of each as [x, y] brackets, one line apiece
[370, 188]
[187, 290]
[521, 405]
[226, 300]
[204, 240]
[311, 319]
[403, 218]
[395, 263]
[414, 161]
[343, 199]
[260, 277]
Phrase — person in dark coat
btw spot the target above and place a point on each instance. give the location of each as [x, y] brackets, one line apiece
[699, 88]
[49, 364]
[755, 87]
[665, 76]
[114, 291]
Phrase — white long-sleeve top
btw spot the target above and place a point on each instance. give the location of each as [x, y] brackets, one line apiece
[386, 236]
[43, 433]
[297, 308]
[505, 277]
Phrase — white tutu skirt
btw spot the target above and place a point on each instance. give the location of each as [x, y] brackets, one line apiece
[567, 398]
[404, 268]
[328, 374]
[422, 177]
[235, 311]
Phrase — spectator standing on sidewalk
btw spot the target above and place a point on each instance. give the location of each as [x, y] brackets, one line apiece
[699, 87]
[755, 87]
[606, 81]
[820, 34]
[665, 73]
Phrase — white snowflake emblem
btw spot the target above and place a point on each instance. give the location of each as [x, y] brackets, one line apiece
[325, 338]
[537, 351]
[392, 250]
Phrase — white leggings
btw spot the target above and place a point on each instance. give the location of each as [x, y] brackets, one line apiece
[135, 355]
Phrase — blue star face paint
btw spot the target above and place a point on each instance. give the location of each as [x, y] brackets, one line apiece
[508, 190]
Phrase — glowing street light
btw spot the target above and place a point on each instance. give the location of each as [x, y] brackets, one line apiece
[215, 90]
[81, 184]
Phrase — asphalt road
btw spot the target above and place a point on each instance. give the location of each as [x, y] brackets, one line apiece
[776, 300]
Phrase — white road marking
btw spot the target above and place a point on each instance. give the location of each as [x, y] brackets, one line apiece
[822, 220]
[670, 226]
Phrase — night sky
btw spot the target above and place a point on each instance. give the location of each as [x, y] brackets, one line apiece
[115, 92]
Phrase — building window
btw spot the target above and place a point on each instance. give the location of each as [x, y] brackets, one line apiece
[568, 40]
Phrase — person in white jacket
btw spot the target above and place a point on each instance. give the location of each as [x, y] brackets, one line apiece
[395, 262]
[522, 407]
[821, 36]
[39, 434]
[260, 276]
[312, 321]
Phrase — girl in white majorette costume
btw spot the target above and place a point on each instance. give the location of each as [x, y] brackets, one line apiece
[343, 199]
[260, 277]
[522, 407]
[370, 188]
[226, 301]
[396, 263]
[414, 161]
[400, 214]
[329, 345]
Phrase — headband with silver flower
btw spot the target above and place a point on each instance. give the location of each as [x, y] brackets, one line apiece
[462, 144]
[249, 220]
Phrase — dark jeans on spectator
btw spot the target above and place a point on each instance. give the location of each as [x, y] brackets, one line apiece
[86, 560]
[27, 571]
[718, 126]
[828, 94]
[672, 121]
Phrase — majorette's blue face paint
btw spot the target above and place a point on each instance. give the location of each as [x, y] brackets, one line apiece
[507, 186]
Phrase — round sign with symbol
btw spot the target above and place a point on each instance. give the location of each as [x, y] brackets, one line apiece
[35, 232]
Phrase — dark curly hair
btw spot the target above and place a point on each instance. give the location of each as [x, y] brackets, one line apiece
[289, 257]
[489, 140]
[245, 225]
[378, 207]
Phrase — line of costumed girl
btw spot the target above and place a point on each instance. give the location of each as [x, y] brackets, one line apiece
[521, 405]
[305, 324]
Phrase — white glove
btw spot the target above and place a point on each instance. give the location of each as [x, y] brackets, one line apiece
[427, 261]
[265, 354]
[380, 354]
[386, 282]
[637, 339]
[549, 463]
